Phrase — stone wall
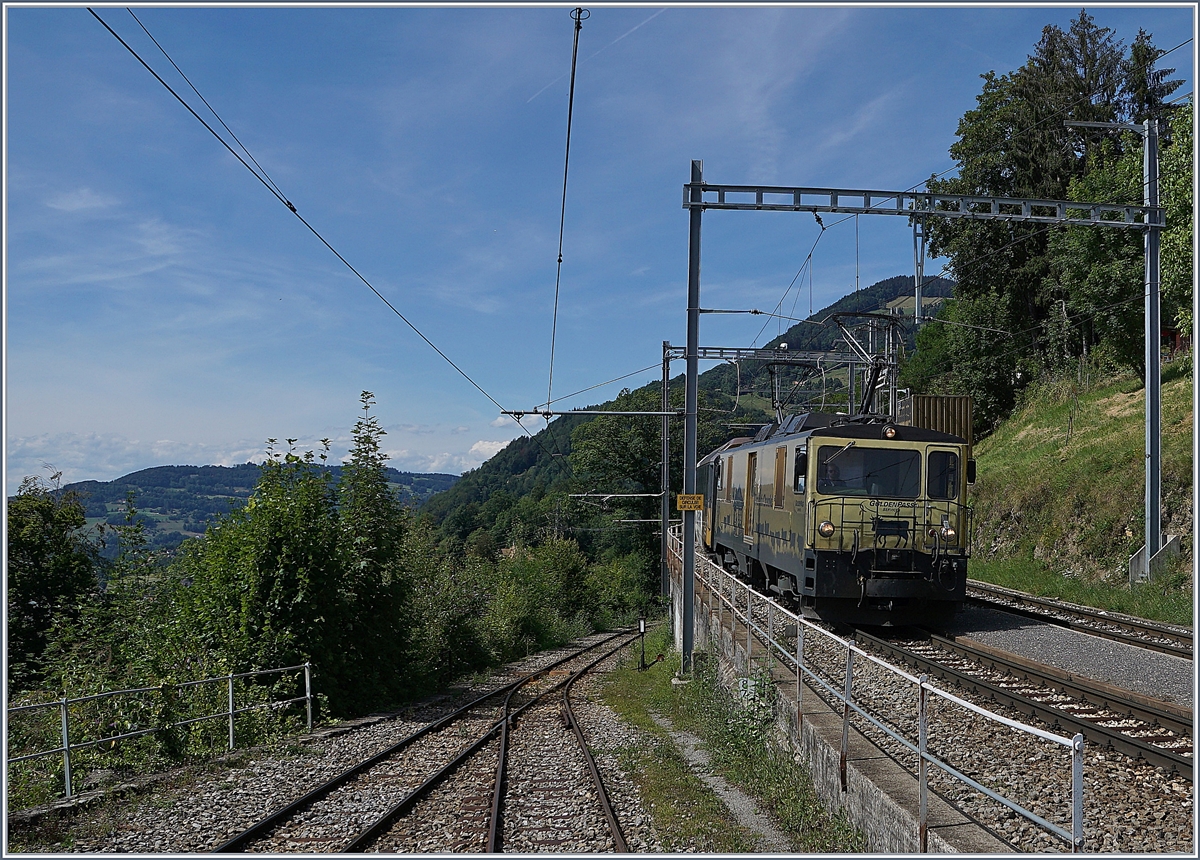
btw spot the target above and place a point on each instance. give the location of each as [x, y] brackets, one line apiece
[880, 797]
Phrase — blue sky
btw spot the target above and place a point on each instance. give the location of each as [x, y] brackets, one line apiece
[163, 308]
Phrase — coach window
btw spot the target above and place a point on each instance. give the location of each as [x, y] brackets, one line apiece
[801, 468]
[729, 479]
[943, 475]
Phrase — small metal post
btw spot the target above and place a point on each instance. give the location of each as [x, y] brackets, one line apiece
[66, 746]
[642, 636]
[799, 672]
[308, 692]
[1077, 794]
[749, 632]
[846, 715]
[922, 747]
[230, 679]
[770, 632]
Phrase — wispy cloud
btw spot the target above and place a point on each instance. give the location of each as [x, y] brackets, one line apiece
[81, 199]
[601, 50]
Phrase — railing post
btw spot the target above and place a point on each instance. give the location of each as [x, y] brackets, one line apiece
[66, 746]
[922, 747]
[749, 633]
[230, 679]
[308, 692]
[770, 633]
[799, 672]
[1077, 794]
[846, 715]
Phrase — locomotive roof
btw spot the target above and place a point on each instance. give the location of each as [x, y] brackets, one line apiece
[825, 425]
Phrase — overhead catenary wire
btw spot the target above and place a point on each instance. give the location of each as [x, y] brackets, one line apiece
[1061, 112]
[262, 169]
[286, 202]
[579, 15]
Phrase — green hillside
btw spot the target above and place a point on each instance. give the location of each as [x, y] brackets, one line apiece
[175, 502]
[1059, 501]
[536, 465]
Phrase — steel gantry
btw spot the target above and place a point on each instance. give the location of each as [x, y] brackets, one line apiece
[919, 206]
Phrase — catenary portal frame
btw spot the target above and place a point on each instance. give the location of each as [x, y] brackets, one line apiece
[919, 206]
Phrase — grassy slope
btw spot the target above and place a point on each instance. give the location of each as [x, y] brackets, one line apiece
[1059, 502]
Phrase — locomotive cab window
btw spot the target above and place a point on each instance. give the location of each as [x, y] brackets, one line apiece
[717, 473]
[801, 469]
[943, 475]
[851, 470]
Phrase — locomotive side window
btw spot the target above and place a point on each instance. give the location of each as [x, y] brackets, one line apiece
[801, 468]
[780, 474]
[718, 472]
[845, 470]
[729, 480]
[943, 475]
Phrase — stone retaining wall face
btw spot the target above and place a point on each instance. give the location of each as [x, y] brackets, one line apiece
[881, 798]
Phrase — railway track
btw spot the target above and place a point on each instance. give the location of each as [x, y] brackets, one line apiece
[1142, 728]
[1164, 638]
[396, 800]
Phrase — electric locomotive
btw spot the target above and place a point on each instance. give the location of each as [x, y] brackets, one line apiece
[855, 520]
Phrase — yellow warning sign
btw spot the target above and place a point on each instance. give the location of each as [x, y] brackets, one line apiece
[689, 502]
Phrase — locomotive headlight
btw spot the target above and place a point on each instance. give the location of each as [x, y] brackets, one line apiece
[948, 532]
[825, 529]
[889, 432]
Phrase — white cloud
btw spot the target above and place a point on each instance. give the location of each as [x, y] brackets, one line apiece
[107, 456]
[80, 199]
[486, 449]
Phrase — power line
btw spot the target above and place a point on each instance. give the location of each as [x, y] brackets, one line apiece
[282, 199]
[578, 14]
[206, 104]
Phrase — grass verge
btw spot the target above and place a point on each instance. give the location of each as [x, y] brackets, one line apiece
[1168, 599]
[686, 813]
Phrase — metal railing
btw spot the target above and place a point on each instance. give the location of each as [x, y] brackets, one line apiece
[727, 588]
[232, 711]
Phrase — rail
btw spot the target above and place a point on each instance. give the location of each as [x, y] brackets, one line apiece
[727, 587]
[232, 711]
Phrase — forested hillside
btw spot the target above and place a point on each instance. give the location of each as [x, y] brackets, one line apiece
[541, 463]
[176, 502]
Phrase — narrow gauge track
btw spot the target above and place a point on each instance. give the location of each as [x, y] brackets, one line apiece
[1164, 638]
[1134, 725]
[330, 817]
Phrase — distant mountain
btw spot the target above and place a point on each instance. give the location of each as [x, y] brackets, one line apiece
[528, 463]
[175, 502]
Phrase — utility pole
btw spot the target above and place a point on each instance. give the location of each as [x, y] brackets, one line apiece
[919, 273]
[696, 198]
[1153, 229]
[666, 468]
[1153, 351]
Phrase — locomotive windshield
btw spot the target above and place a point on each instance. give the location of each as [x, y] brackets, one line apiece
[863, 471]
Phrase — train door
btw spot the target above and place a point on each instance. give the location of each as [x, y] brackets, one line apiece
[749, 496]
[943, 489]
[712, 483]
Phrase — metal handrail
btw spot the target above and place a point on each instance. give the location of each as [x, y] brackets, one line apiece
[709, 572]
[64, 703]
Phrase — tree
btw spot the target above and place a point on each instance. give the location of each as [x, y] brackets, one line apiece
[52, 570]
[1014, 144]
[376, 589]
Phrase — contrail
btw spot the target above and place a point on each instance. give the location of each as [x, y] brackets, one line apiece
[609, 45]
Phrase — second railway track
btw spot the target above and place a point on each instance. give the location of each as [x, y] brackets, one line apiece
[1164, 638]
[443, 787]
[1156, 732]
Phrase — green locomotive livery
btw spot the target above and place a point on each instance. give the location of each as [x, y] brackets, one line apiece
[859, 521]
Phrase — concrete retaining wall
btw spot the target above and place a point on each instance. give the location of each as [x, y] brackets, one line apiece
[881, 798]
